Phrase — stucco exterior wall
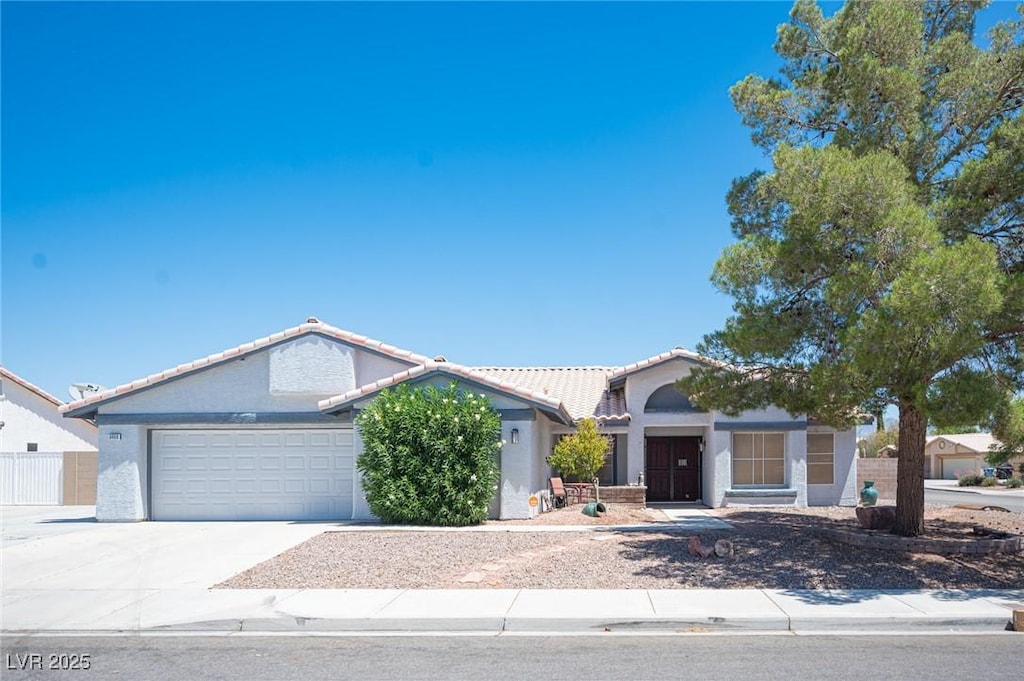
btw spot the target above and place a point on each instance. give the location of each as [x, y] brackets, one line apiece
[952, 450]
[122, 474]
[638, 389]
[518, 469]
[843, 490]
[244, 385]
[28, 417]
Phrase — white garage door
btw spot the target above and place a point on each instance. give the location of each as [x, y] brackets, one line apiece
[954, 468]
[254, 474]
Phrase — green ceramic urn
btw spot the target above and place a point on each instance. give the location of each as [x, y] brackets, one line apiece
[869, 495]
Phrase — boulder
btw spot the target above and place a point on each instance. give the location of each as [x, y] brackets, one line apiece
[876, 517]
[724, 548]
[697, 549]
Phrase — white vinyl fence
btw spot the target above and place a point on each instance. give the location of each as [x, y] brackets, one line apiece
[31, 478]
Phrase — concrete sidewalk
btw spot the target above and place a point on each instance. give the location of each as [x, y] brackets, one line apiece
[63, 572]
[494, 611]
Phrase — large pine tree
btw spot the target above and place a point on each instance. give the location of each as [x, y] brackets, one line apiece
[881, 260]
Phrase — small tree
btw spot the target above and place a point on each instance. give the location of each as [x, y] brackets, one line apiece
[581, 455]
[875, 442]
[429, 455]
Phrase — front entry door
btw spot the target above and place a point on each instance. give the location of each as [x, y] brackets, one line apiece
[673, 468]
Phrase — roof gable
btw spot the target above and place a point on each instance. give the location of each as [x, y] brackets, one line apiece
[678, 353]
[31, 387]
[89, 405]
[978, 442]
[539, 400]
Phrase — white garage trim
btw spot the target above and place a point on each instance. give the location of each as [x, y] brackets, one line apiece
[252, 474]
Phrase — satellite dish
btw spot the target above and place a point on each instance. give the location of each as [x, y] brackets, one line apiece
[79, 391]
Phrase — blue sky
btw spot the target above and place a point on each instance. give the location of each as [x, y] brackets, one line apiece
[504, 184]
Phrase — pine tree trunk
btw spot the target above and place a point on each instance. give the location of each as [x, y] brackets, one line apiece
[910, 472]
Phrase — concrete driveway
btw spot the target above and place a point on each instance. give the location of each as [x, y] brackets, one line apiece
[27, 523]
[62, 570]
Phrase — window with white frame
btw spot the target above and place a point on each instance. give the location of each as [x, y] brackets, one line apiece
[758, 459]
[821, 458]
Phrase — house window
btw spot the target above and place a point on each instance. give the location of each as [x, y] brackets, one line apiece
[758, 459]
[821, 458]
[32, 447]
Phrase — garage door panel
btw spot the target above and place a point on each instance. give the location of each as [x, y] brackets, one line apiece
[953, 468]
[292, 474]
[196, 463]
[245, 486]
[220, 462]
[245, 462]
[220, 486]
[321, 440]
[270, 440]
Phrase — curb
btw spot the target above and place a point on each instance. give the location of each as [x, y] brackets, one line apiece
[539, 626]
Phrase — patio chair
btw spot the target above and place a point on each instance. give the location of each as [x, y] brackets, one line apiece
[558, 495]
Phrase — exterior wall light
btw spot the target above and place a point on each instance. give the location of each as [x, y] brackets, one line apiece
[515, 436]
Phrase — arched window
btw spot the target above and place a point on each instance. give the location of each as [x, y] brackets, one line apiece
[667, 399]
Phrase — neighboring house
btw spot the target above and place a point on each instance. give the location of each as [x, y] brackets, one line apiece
[889, 452]
[947, 457]
[266, 431]
[44, 458]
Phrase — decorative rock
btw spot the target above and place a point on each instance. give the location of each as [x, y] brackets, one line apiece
[876, 517]
[697, 549]
[724, 549]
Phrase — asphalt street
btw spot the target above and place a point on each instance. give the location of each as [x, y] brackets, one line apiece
[751, 658]
[1010, 502]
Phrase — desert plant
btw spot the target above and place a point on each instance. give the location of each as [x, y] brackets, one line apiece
[989, 482]
[429, 455]
[1015, 482]
[970, 480]
[580, 455]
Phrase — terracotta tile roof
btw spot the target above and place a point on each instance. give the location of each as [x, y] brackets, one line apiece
[539, 398]
[313, 325]
[583, 390]
[677, 352]
[10, 375]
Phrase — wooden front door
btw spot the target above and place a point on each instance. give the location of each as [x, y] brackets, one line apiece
[673, 468]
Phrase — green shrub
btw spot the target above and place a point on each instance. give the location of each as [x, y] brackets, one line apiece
[1015, 482]
[970, 480]
[429, 455]
[580, 455]
[989, 482]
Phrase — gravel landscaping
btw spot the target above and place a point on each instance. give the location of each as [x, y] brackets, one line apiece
[773, 549]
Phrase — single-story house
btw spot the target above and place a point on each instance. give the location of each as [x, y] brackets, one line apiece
[266, 431]
[45, 459]
[947, 457]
